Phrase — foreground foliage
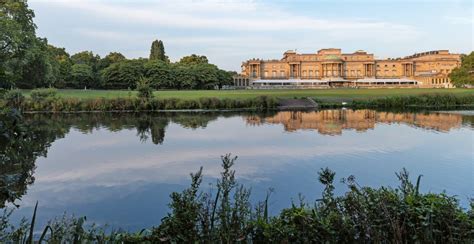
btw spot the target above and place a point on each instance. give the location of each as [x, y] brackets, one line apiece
[361, 215]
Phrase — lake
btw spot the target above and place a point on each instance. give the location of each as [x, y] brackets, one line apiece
[119, 169]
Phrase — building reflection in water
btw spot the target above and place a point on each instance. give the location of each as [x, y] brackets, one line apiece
[333, 122]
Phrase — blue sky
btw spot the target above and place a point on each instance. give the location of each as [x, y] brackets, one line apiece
[230, 31]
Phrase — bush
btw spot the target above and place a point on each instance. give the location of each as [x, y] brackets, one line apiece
[43, 93]
[14, 98]
[145, 91]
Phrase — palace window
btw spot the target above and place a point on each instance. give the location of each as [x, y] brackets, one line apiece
[282, 73]
[310, 73]
[266, 73]
[274, 73]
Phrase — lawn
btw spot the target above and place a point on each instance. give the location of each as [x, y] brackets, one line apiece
[329, 94]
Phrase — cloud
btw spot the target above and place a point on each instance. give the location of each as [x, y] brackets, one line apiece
[459, 20]
[222, 15]
[227, 31]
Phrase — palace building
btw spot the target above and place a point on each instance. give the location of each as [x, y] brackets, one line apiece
[332, 68]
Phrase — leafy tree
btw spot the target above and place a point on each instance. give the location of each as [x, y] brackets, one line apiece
[123, 75]
[38, 68]
[157, 51]
[111, 58]
[184, 76]
[160, 74]
[194, 59]
[17, 28]
[225, 77]
[464, 75]
[17, 34]
[63, 61]
[206, 76]
[81, 76]
[85, 57]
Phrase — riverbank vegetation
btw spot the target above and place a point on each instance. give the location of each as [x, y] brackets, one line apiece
[225, 214]
[52, 100]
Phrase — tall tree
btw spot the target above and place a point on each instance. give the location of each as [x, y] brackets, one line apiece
[17, 34]
[157, 51]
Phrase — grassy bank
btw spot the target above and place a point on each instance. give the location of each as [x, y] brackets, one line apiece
[50, 100]
[326, 94]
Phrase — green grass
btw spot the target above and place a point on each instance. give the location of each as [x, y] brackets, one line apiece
[330, 94]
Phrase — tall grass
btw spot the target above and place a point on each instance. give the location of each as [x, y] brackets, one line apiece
[361, 215]
[57, 104]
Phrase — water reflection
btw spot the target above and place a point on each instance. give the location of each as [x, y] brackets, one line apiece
[333, 122]
[120, 168]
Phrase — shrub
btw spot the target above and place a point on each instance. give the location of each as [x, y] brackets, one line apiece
[2, 92]
[42, 94]
[145, 91]
[14, 98]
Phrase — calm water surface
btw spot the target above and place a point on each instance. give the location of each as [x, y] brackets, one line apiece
[119, 169]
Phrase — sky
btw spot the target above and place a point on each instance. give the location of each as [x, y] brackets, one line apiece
[231, 31]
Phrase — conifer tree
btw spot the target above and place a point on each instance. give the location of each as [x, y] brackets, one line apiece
[157, 51]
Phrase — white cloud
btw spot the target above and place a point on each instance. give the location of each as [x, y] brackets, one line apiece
[227, 31]
[460, 20]
[223, 15]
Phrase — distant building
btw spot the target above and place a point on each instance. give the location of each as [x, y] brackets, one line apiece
[332, 68]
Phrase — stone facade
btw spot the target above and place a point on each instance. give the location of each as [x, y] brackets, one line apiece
[429, 69]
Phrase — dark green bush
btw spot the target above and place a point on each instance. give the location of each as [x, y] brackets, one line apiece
[145, 91]
[14, 98]
[43, 93]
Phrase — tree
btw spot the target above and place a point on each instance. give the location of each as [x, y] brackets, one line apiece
[193, 59]
[464, 75]
[81, 76]
[17, 34]
[157, 51]
[17, 28]
[86, 57]
[206, 76]
[64, 62]
[111, 58]
[160, 74]
[123, 75]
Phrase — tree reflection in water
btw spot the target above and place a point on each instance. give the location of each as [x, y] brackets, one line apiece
[25, 138]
